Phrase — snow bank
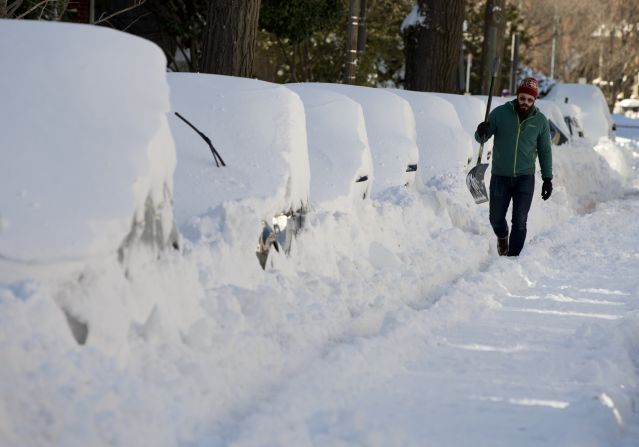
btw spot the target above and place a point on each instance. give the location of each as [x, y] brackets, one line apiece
[390, 126]
[86, 150]
[340, 156]
[585, 177]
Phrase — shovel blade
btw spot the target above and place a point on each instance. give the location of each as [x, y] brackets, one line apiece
[475, 183]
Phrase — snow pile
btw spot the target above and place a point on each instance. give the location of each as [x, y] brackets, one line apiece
[585, 177]
[392, 321]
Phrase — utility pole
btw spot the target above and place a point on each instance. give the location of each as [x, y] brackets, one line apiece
[514, 62]
[494, 28]
[469, 64]
[352, 41]
[361, 28]
[553, 51]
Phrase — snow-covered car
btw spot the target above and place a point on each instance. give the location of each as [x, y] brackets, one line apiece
[593, 115]
[471, 111]
[86, 166]
[444, 146]
[571, 113]
[390, 126]
[628, 106]
[340, 157]
[559, 131]
[257, 129]
[63, 134]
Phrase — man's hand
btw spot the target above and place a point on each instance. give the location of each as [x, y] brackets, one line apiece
[546, 189]
[483, 132]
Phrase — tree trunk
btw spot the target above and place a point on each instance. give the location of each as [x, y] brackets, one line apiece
[432, 46]
[229, 37]
[494, 28]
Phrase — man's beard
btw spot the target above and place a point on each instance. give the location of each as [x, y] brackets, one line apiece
[523, 109]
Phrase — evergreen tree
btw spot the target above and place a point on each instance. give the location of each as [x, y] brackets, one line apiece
[305, 40]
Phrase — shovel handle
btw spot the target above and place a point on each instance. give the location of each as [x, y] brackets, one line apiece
[481, 151]
[490, 89]
[490, 100]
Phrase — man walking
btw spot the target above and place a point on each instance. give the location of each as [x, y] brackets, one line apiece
[521, 134]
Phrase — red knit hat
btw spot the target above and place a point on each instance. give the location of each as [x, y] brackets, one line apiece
[529, 86]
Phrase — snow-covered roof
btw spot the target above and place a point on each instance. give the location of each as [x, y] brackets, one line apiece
[495, 102]
[470, 110]
[338, 148]
[258, 128]
[629, 103]
[85, 140]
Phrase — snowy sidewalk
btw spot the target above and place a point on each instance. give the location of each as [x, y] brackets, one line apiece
[535, 351]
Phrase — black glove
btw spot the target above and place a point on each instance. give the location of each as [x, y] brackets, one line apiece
[546, 189]
[483, 131]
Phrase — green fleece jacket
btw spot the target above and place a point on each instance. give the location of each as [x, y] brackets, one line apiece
[517, 144]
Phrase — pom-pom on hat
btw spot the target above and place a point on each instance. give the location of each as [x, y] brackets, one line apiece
[529, 86]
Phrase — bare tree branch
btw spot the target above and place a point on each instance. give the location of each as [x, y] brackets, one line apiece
[13, 7]
[141, 16]
[135, 4]
[42, 4]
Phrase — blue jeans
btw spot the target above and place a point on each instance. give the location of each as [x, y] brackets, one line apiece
[502, 190]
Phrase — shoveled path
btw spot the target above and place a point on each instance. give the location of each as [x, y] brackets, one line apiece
[534, 351]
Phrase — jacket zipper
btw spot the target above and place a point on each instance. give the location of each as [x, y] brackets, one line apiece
[517, 142]
[516, 148]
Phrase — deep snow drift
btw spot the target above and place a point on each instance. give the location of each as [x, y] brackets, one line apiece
[391, 323]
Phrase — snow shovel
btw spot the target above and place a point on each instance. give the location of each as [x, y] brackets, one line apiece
[475, 177]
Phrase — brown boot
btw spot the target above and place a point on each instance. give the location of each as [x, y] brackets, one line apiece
[502, 246]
